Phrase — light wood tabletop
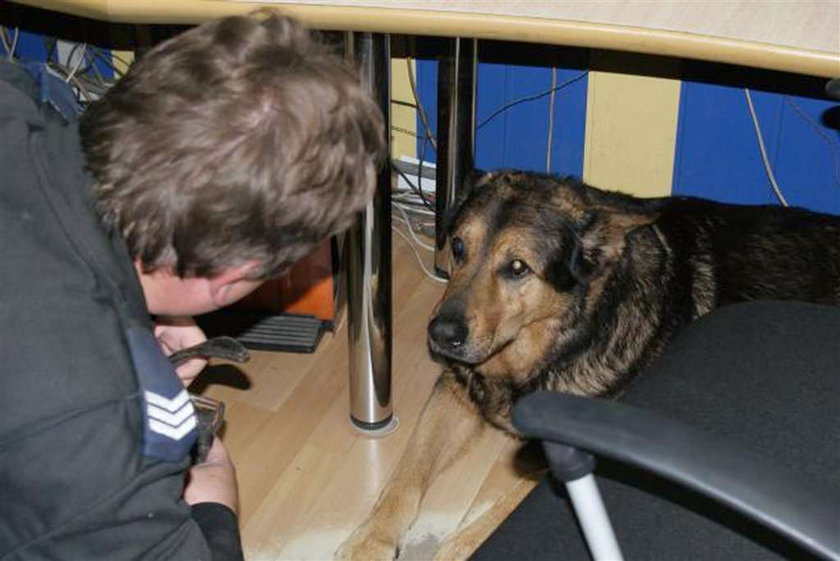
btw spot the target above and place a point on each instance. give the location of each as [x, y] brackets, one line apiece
[801, 36]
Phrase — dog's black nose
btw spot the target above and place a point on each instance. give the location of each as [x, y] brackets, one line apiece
[448, 332]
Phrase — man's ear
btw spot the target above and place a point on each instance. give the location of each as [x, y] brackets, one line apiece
[221, 286]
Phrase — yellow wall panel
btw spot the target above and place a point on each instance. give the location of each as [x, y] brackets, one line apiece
[122, 60]
[631, 123]
[403, 119]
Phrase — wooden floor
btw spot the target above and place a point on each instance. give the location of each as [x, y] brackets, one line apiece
[306, 477]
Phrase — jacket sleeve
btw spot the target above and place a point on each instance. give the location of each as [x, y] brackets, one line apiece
[221, 530]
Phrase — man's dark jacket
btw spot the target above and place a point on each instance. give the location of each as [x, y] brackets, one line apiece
[87, 468]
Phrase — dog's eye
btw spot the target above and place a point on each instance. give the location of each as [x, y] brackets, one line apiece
[518, 268]
[458, 248]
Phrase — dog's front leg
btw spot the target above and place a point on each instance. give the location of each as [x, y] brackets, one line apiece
[466, 541]
[447, 427]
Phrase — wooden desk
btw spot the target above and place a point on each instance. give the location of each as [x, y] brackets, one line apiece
[800, 36]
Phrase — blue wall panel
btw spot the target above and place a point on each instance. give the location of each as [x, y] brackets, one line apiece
[29, 46]
[718, 157]
[512, 116]
[427, 92]
[32, 46]
[807, 163]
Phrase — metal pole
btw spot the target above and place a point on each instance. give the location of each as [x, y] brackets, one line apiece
[455, 134]
[369, 264]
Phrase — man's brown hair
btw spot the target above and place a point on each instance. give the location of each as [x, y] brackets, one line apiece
[243, 139]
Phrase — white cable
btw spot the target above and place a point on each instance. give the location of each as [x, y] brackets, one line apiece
[423, 211]
[414, 208]
[763, 150]
[551, 119]
[411, 231]
[4, 40]
[83, 91]
[13, 48]
[78, 64]
[417, 255]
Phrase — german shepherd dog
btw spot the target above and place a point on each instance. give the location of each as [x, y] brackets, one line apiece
[556, 285]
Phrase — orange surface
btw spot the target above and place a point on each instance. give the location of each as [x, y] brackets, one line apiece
[307, 288]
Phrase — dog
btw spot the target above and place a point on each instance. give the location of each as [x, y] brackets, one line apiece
[557, 285]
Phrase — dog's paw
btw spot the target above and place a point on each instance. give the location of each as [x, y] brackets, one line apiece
[366, 545]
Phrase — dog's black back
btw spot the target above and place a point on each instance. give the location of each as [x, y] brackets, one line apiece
[757, 252]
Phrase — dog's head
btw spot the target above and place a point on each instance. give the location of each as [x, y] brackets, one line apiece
[527, 251]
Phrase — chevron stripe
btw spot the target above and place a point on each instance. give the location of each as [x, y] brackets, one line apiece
[175, 433]
[165, 416]
[171, 405]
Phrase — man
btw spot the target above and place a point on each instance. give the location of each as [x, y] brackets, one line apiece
[223, 156]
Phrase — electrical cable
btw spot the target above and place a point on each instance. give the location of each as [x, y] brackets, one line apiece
[832, 143]
[763, 150]
[99, 54]
[86, 49]
[10, 47]
[411, 229]
[414, 187]
[551, 119]
[78, 64]
[51, 46]
[404, 103]
[420, 108]
[416, 209]
[4, 40]
[532, 97]
[410, 199]
[14, 43]
[417, 255]
[406, 131]
[420, 158]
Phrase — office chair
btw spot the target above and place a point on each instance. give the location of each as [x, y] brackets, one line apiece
[727, 447]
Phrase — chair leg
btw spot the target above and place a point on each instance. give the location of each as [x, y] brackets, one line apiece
[593, 518]
[574, 468]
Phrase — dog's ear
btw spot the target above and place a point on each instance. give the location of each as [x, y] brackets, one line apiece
[572, 264]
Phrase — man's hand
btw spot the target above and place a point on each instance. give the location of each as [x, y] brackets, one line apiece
[176, 333]
[214, 481]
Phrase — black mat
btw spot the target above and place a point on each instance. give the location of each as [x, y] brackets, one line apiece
[263, 331]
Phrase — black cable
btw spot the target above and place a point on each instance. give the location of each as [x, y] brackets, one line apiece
[423, 117]
[416, 189]
[420, 159]
[507, 106]
[51, 46]
[404, 103]
[406, 131]
[85, 60]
